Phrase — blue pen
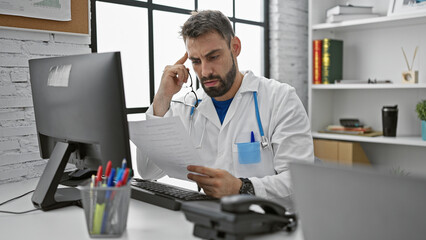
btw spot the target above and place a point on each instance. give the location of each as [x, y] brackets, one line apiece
[124, 164]
[111, 178]
[120, 172]
[252, 137]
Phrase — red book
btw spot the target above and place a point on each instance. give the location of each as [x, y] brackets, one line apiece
[317, 61]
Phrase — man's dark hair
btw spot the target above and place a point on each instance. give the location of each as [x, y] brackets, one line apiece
[205, 22]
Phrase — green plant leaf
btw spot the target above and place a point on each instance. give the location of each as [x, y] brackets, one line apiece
[421, 110]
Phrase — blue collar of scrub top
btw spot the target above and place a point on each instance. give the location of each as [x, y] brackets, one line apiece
[264, 141]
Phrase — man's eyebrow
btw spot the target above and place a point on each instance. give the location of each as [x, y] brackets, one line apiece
[193, 58]
[212, 52]
[207, 55]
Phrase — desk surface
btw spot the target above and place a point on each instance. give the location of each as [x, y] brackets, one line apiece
[145, 221]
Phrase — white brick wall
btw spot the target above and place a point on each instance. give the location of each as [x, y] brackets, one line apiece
[289, 44]
[19, 153]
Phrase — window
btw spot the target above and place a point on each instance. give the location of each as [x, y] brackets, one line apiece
[147, 35]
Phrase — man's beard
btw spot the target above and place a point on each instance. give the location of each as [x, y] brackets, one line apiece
[224, 85]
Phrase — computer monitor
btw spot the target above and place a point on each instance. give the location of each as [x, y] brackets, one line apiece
[80, 114]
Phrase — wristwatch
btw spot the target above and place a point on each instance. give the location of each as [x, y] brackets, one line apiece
[246, 187]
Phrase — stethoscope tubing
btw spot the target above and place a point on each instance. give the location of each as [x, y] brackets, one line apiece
[264, 140]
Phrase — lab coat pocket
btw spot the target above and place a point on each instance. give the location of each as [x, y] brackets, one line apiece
[248, 153]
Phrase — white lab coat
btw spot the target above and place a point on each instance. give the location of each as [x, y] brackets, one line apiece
[285, 125]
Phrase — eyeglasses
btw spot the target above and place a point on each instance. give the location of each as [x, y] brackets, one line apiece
[185, 98]
[192, 91]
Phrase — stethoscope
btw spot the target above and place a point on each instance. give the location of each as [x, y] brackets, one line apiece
[264, 141]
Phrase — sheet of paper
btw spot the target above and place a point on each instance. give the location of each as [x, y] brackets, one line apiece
[167, 144]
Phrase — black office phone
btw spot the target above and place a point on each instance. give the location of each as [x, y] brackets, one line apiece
[231, 218]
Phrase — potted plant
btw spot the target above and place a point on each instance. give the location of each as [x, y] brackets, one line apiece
[421, 111]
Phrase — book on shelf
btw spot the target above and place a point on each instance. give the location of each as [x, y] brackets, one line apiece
[349, 9]
[354, 130]
[346, 17]
[317, 61]
[369, 134]
[332, 60]
[368, 81]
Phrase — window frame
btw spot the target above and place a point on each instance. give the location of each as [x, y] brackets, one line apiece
[150, 8]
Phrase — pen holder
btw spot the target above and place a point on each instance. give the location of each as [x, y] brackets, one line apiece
[106, 210]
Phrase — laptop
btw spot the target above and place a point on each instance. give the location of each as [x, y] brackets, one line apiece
[336, 202]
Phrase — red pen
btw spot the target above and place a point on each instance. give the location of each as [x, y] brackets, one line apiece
[125, 176]
[119, 184]
[98, 176]
[108, 169]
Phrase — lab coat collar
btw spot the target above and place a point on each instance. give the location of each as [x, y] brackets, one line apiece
[206, 107]
[248, 86]
[249, 83]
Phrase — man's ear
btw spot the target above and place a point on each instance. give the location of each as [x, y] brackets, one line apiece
[235, 46]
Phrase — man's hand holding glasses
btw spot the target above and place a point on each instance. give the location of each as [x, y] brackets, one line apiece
[174, 76]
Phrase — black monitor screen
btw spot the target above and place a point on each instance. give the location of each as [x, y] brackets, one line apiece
[79, 101]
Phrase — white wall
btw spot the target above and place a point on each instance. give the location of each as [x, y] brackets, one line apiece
[19, 153]
[289, 44]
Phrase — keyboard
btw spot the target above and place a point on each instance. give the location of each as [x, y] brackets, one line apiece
[164, 195]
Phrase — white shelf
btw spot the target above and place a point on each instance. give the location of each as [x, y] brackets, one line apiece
[399, 140]
[369, 86]
[378, 22]
[371, 49]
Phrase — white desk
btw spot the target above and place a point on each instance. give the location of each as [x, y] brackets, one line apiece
[145, 221]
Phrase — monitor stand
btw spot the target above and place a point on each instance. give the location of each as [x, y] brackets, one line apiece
[47, 196]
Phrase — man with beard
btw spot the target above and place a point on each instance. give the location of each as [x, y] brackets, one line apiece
[245, 128]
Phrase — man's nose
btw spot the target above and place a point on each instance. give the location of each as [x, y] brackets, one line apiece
[206, 70]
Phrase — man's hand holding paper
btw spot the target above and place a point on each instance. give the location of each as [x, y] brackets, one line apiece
[166, 143]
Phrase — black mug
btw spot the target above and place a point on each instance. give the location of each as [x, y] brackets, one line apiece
[389, 120]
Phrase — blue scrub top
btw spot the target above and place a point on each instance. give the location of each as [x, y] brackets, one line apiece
[222, 108]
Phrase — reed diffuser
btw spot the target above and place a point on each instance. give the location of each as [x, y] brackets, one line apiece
[410, 76]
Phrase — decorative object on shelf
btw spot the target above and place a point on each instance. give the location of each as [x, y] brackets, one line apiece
[332, 60]
[421, 112]
[389, 120]
[406, 6]
[317, 61]
[410, 76]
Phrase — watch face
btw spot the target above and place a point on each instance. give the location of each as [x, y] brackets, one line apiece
[247, 187]
[250, 189]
